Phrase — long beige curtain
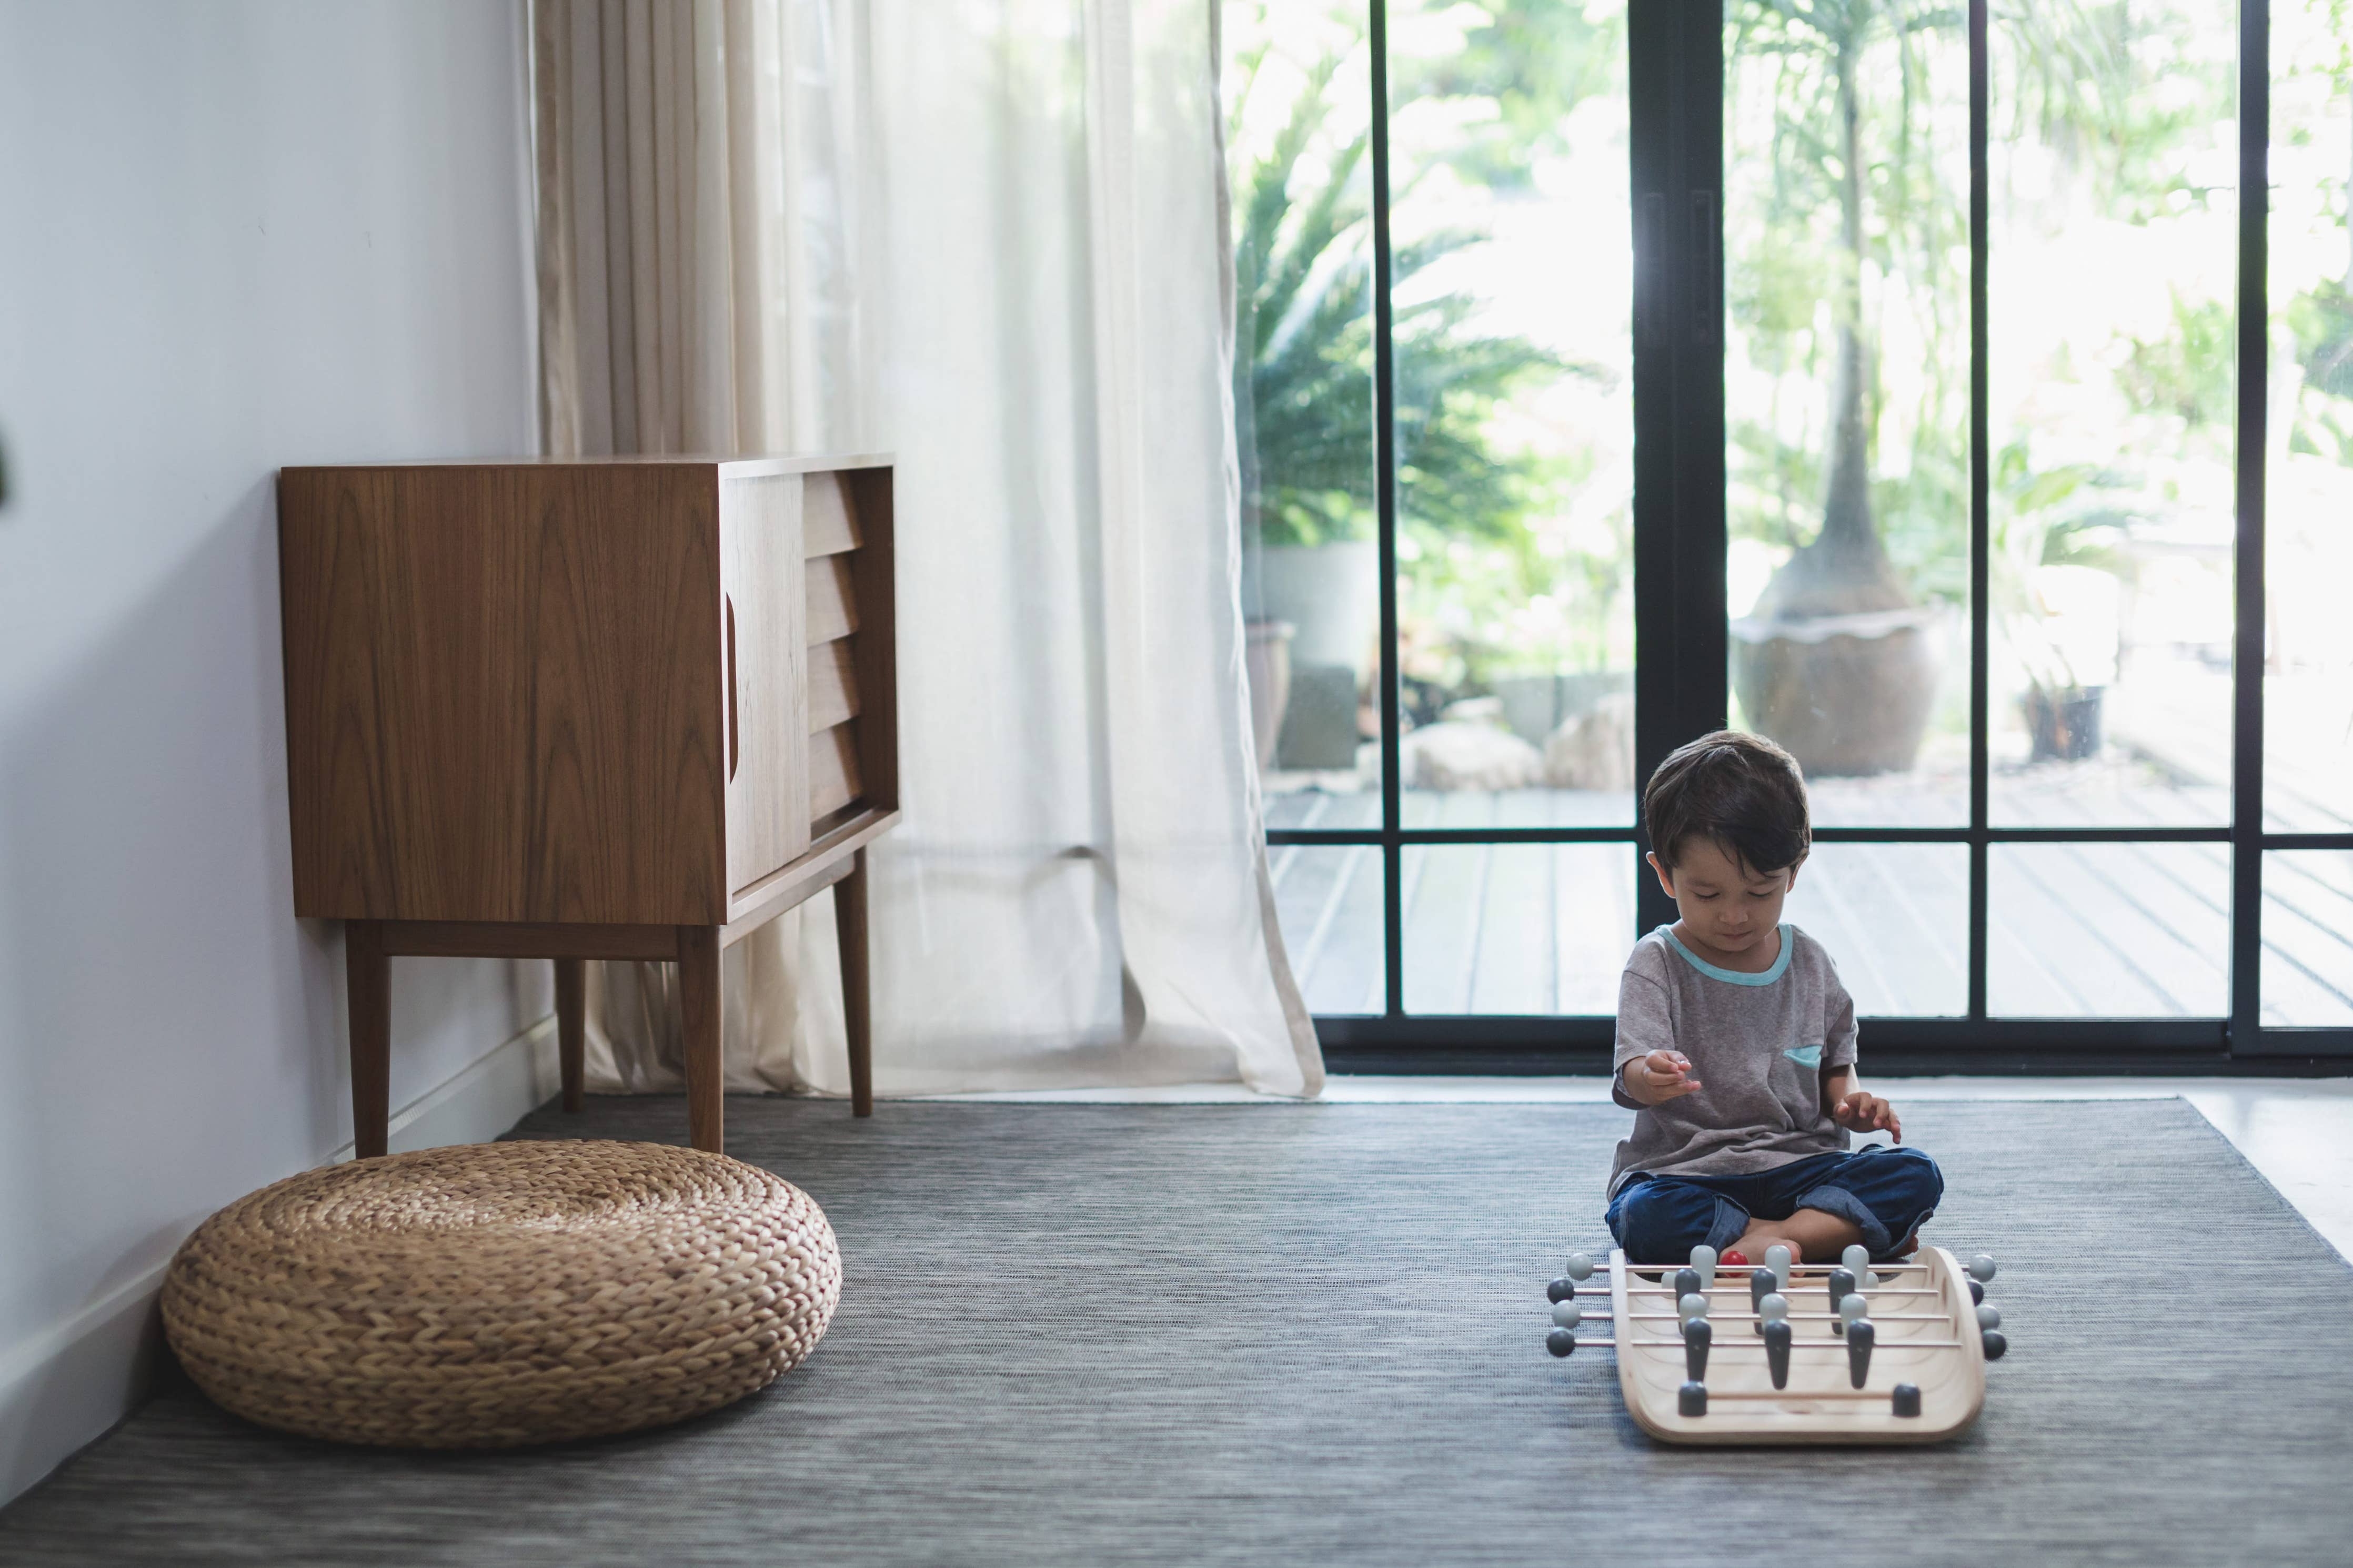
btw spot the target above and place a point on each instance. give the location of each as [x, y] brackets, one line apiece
[678, 314]
[990, 239]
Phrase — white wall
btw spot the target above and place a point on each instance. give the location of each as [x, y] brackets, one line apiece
[234, 234]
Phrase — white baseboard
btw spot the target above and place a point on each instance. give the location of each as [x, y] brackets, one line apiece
[67, 1385]
[63, 1387]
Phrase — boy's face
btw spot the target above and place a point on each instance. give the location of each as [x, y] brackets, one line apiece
[1728, 906]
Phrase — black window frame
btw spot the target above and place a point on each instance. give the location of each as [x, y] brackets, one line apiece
[1675, 87]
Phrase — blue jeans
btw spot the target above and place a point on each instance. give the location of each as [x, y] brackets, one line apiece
[1885, 1193]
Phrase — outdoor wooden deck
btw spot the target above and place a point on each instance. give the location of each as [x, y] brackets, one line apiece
[2077, 930]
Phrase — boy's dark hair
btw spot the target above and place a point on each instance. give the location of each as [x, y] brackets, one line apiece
[1740, 790]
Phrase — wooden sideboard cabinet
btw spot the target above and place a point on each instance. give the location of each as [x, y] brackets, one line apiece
[622, 708]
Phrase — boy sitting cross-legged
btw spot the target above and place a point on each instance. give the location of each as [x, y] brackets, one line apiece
[1736, 1041]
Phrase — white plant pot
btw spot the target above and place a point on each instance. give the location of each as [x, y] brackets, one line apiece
[1330, 596]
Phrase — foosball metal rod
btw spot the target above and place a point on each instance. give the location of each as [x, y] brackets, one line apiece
[1873, 1295]
[1677, 1345]
[1793, 1317]
[1669, 1269]
[1790, 1394]
[1741, 1270]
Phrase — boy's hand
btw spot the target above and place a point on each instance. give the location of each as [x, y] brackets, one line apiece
[1659, 1077]
[1865, 1112]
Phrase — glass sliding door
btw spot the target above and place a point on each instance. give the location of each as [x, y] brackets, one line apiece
[2308, 489]
[2305, 885]
[1299, 143]
[2113, 240]
[1846, 385]
[1961, 397]
[1443, 363]
[1511, 278]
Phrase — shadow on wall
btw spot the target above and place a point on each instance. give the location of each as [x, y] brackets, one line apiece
[154, 997]
[171, 1035]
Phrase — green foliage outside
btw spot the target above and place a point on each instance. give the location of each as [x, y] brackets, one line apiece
[1848, 271]
[1858, 231]
[2111, 450]
[1472, 499]
[1303, 274]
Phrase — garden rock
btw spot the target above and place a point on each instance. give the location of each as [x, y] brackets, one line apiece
[1595, 750]
[1455, 755]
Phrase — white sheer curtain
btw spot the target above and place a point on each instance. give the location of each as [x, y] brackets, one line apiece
[990, 238]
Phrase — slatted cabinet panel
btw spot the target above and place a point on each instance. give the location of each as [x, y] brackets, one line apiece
[831, 515]
[832, 598]
[834, 780]
[833, 684]
[875, 647]
[848, 538]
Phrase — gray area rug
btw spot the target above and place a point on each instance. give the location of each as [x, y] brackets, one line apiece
[1303, 1334]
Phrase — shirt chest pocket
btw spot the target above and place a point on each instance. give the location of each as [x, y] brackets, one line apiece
[1796, 1078]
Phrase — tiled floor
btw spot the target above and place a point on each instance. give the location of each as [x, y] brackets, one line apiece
[2298, 1131]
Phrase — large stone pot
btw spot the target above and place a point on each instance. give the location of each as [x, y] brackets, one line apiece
[1266, 660]
[1845, 694]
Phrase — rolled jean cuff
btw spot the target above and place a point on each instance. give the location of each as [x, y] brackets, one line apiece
[1838, 1201]
[1731, 1223]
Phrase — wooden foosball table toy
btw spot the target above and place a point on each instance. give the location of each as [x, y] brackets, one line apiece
[1852, 1353]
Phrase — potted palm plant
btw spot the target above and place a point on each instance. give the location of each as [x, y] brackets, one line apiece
[2057, 594]
[1304, 419]
[1837, 660]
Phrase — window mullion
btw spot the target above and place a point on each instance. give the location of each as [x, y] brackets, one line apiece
[2247, 653]
[1980, 508]
[1386, 498]
[1675, 83]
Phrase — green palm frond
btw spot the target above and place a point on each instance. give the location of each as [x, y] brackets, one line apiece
[1303, 280]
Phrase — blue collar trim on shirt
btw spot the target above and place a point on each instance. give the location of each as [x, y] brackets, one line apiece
[1734, 976]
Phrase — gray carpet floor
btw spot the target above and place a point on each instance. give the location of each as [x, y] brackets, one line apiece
[1287, 1334]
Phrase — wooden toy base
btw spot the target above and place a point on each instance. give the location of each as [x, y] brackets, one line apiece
[1927, 1335]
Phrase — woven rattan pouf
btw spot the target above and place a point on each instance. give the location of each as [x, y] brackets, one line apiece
[495, 1294]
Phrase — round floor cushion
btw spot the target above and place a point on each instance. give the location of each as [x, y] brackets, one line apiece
[495, 1294]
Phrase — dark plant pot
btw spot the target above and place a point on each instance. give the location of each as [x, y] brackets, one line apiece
[1844, 694]
[2064, 726]
[1266, 659]
[1319, 724]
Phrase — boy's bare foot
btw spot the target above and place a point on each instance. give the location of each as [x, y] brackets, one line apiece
[1755, 1239]
[1811, 1235]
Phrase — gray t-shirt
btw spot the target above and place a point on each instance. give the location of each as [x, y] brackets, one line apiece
[1760, 1044]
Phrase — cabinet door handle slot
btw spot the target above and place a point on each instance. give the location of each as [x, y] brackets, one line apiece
[734, 701]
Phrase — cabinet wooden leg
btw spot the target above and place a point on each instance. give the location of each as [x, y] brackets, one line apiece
[698, 993]
[367, 987]
[857, 996]
[570, 1027]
